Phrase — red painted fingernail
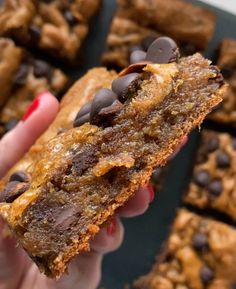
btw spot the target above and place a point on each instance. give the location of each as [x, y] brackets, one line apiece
[151, 192]
[33, 107]
[111, 228]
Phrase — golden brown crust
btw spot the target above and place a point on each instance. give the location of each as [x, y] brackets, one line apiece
[199, 253]
[98, 169]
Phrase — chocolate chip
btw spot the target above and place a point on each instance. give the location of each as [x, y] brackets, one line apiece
[83, 160]
[212, 144]
[206, 274]
[21, 75]
[223, 160]
[11, 124]
[202, 178]
[35, 34]
[200, 242]
[42, 69]
[147, 41]
[83, 115]
[137, 56]
[12, 191]
[19, 176]
[163, 50]
[234, 143]
[70, 18]
[104, 98]
[121, 85]
[215, 188]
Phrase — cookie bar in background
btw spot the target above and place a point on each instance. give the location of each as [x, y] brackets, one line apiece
[226, 112]
[22, 78]
[213, 183]
[137, 23]
[199, 254]
[57, 27]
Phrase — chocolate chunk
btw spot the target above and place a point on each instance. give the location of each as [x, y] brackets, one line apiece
[21, 75]
[70, 18]
[83, 160]
[12, 191]
[163, 50]
[67, 215]
[104, 98]
[200, 242]
[234, 143]
[147, 41]
[202, 178]
[223, 160]
[121, 85]
[11, 124]
[215, 188]
[19, 176]
[42, 69]
[137, 56]
[35, 34]
[206, 274]
[83, 115]
[212, 144]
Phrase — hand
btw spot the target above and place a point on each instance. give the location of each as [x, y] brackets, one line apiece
[17, 270]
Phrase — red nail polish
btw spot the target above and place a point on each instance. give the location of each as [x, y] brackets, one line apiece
[33, 106]
[111, 228]
[151, 192]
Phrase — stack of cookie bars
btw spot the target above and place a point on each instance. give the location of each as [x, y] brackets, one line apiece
[200, 251]
[56, 28]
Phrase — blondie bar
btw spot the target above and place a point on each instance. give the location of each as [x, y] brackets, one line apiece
[80, 177]
[137, 23]
[199, 254]
[213, 183]
[22, 78]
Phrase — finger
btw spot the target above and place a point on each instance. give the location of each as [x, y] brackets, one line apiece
[109, 238]
[13, 260]
[138, 204]
[36, 120]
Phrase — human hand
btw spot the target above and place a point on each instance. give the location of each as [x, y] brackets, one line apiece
[17, 269]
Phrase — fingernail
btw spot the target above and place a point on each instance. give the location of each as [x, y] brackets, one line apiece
[33, 107]
[151, 192]
[111, 228]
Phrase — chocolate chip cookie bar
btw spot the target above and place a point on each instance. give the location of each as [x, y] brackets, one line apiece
[226, 112]
[137, 23]
[81, 176]
[199, 254]
[57, 27]
[22, 78]
[213, 183]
